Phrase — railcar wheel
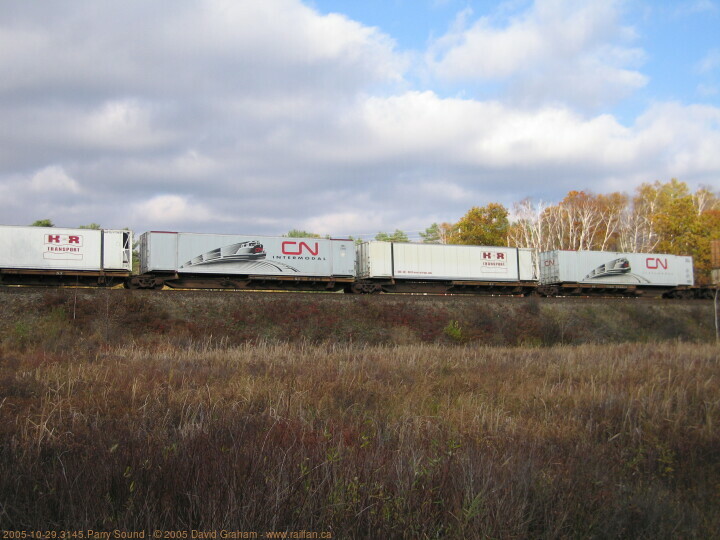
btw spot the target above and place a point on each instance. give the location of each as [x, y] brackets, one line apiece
[364, 287]
[548, 291]
[144, 282]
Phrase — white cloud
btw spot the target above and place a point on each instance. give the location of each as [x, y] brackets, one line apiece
[345, 223]
[261, 116]
[694, 7]
[485, 134]
[710, 62]
[708, 90]
[486, 147]
[555, 51]
[195, 49]
[174, 209]
[693, 154]
[117, 120]
[185, 168]
[7, 196]
[52, 130]
[53, 179]
[444, 190]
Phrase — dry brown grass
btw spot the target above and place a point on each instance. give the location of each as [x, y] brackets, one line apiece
[59, 321]
[414, 441]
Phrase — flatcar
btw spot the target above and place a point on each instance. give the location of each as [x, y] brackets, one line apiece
[449, 269]
[59, 256]
[211, 261]
[564, 273]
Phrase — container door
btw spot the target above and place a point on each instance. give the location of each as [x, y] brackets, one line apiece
[343, 258]
[117, 250]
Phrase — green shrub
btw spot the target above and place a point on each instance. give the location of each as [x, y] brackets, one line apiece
[453, 331]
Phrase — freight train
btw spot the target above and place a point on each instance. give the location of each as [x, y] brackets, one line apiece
[55, 256]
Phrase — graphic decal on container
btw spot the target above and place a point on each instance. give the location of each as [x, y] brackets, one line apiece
[247, 257]
[615, 269]
[66, 247]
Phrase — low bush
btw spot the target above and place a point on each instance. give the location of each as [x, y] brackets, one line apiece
[80, 319]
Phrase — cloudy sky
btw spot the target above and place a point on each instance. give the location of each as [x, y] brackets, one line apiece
[343, 116]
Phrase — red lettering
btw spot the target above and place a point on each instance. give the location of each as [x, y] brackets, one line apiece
[487, 255]
[501, 256]
[653, 263]
[549, 262]
[301, 246]
[63, 239]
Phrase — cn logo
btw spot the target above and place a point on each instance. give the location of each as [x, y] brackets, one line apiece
[63, 239]
[297, 248]
[549, 262]
[653, 263]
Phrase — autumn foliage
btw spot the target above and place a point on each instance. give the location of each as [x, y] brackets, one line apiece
[486, 226]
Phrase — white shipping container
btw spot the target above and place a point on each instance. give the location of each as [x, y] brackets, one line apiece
[198, 253]
[434, 261]
[612, 268]
[56, 248]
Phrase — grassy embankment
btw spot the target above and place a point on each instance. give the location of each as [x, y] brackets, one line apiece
[173, 429]
[94, 319]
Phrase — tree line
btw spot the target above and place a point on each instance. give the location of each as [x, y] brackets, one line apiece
[49, 223]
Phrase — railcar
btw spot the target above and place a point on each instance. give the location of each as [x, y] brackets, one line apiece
[449, 269]
[221, 261]
[586, 273]
[60, 256]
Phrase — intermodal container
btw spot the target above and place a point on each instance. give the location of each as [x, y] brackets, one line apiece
[442, 262]
[229, 254]
[56, 249]
[612, 268]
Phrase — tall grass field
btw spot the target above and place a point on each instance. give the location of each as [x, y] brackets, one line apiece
[135, 413]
